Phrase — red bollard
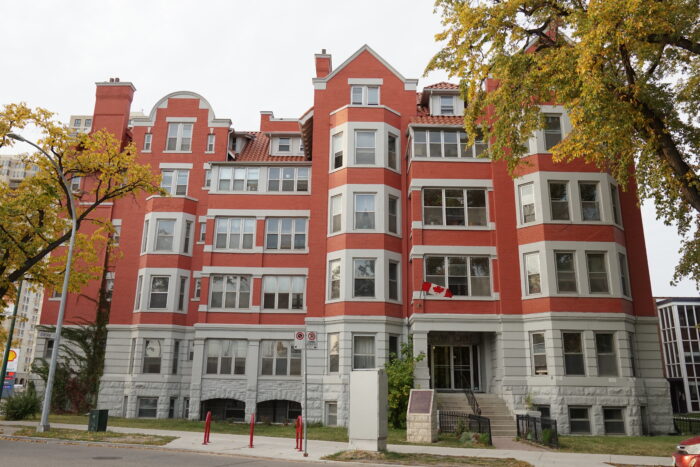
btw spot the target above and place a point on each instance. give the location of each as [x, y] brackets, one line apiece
[252, 429]
[299, 425]
[207, 427]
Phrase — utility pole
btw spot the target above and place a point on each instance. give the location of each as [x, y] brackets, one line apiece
[8, 345]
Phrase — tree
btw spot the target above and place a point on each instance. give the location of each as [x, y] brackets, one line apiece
[399, 373]
[627, 72]
[35, 216]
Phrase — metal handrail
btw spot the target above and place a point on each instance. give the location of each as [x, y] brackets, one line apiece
[471, 398]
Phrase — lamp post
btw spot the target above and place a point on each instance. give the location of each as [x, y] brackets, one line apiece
[46, 407]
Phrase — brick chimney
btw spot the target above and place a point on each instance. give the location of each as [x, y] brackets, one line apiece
[323, 64]
[112, 106]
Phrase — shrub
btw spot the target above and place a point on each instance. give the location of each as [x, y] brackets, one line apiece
[485, 439]
[460, 428]
[547, 436]
[466, 438]
[21, 406]
[399, 372]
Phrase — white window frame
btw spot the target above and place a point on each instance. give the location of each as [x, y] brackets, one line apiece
[364, 91]
[211, 143]
[337, 151]
[331, 278]
[463, 151]
[333, 351]
[537, 352]
[452, 106]
[624, 275]
[236, 345]
[151, 292]
[469, 276]
[182, 289]
[172, 237]
[175, 185]
[467, 210]
[605, 272]
[395, 165]
[292, 354]
[224, 291]
[373, 278]
[202, 232]
[161, 343]
[271, 285]
[557, 271]
[223, 226]
[531, 261]
[373, 212]
[299, 183]
[597, 201]
[366, 148]
[288, 145]
[395, 215]
[336, 212]
[615, 207]
[397, 280]
[331, 413]
[552, 200]
[197, 293]
[522, 204]
[147, 142]
[293, 233]
[546, 131]
[611, 355]
[250, 181]
[355, 354]
[181, 144]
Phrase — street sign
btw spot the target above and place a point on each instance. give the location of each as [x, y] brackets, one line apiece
[299, 338]
[13, 360]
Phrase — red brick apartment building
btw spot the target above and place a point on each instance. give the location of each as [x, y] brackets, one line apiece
[331, 222]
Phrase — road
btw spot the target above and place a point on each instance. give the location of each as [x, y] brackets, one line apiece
[58, 454]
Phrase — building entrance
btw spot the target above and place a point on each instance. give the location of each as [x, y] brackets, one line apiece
[455, 367]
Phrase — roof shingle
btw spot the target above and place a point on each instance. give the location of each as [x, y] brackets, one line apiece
[258, 150]
[442, 85]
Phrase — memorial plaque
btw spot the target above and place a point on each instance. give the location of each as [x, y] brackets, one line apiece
[421, 401]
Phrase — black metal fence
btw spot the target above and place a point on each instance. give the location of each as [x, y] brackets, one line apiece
[451, 421]
[539, 430]
[687, 425]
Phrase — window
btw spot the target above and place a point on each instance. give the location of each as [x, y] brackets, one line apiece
[229, 292]
[446, 206]
[202, 231]
[363, 277]
[364, 147]
[539, 354]
[559, 200]
[152, 351]
[331, 413]
[144, 238]
[48, 349]
[578, 420]
[544, 410]
[159, 292]
[109, 286]
[190, 350]
[56, 293]
[174, 182]
[137, 301]
[394, 351]
[235, 233]
[334, 279]
[207, 178]
[552, 131]
[181, 292]
[179, 137]
[447, 143]
[226, 356]
[211, 140]
[391, 152]
[280, 358]
[284, 144]
[75, 184]
[286, 233]
[337, 150]
[117, 235]
[632, 353]
[283, 292]
[364, 210]
[88, 122]
[186, 408]
[393, 214]
[147, 140]
[238, 178]
[188, 237]
[333, 352]
[605, 351]
[147, 407]
[597, 273]
[171, 407]
[364, 95]
[336, 213]
[288, 179]
[532, 271]
[165, 233]
[393, 280]
[624, 275]
[462, 275]
[614, 421]
[527, 203]
[447, 105]
[590, 209]
[566, 273]
[573, 354]
[615, 198]
[176, 356]
[362, 352]
[77, 122]
[197, 288]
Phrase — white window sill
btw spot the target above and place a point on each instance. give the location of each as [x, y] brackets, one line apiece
[282, 311]
[286, 252]
[491, 226]
[227, 377]
[480, 160]
[277, 377]
[176, 152]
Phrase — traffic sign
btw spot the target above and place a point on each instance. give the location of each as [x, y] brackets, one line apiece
[311, 336]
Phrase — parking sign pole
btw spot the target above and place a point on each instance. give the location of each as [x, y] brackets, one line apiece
[306, 454]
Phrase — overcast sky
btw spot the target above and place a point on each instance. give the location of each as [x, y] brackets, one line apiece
[243, 57]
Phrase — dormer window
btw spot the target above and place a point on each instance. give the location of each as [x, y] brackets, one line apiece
[364, 95]
[285, 145]
[552, 130]
[447, 105]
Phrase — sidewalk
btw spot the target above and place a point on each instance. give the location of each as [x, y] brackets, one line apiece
[283, 448]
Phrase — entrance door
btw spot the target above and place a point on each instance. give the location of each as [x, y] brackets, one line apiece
[455, 367]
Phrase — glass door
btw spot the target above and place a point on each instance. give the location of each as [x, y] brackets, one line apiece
[461, 368]
[455, 367]
[442, 368]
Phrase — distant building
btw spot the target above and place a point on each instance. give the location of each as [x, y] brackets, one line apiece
[13, 169]
[83, 123]
[25, 333]
[679, 318]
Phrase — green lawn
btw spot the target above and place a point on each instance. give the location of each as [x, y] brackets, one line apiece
[659, 446]
[101, 436]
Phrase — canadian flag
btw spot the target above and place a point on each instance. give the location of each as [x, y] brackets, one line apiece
[434, 289]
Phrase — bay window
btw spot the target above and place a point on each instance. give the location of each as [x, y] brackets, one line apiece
[363, 277]
[158, 293]
[573, 354]
[565, 270]
[165, 234]
[365, 146]
[446, 144]
[363, 352]
[539, 354]
[334, 279]
[559, 200]
[152, 353]
[365, 209]
[532, 271]
[288, 179]
[527, 202]
[590, 205]
[447, 207]
[337, 147]
[336, 213]
[552, 130]
[606, 354]
[462, 275]
[597, 272]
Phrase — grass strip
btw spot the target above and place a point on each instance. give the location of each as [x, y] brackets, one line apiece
[397, 458]
[99, 436]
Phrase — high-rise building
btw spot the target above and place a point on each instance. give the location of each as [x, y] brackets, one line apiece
[368, 219]
[13, 170]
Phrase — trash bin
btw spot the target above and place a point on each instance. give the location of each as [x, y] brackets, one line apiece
[98, 420]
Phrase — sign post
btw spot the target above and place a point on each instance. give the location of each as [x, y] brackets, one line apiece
[303, 341]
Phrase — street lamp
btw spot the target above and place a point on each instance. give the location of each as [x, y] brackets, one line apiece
[46, 407]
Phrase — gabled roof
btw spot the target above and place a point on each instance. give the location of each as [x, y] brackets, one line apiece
[258, 150]
[366, 48]
[442, 85]
[436, 120]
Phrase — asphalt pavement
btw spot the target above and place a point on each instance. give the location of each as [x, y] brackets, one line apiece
[31, 453]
